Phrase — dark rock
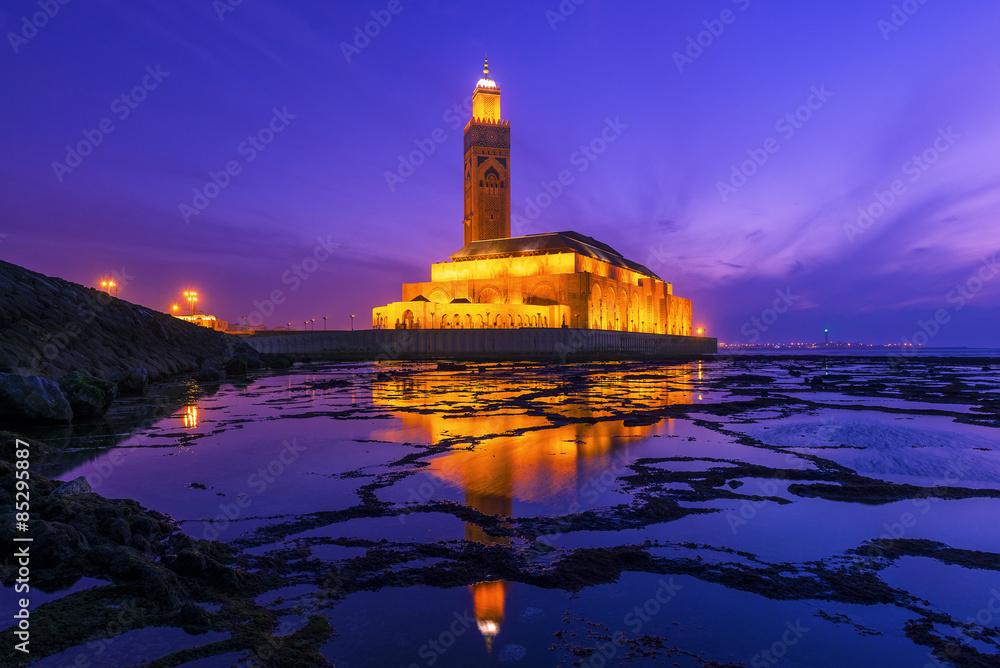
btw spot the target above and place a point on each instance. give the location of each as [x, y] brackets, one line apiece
[188, 563]
[25, 398]
[209, 374]
[55, 542]
[132, 383]
[118, 530]
[237, 366]
[279, 362]
[89, 397]
[141, 544]
[144, 526]
[161, 585]
[77, 485]
[194, 617]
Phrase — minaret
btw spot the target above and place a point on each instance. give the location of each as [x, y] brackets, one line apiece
[487, 165]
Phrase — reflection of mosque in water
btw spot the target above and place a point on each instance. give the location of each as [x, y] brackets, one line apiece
[542, 463]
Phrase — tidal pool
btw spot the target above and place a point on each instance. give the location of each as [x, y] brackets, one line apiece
[818, 512]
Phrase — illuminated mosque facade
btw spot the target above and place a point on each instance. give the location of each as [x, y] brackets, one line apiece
[556, 279]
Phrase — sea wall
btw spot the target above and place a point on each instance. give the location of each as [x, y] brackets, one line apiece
[551, 345]
[49, 327]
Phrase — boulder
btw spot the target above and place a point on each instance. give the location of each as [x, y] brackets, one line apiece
[26, 398]
[132, 383]
[209, 373]
[74, 486]
[89, 397]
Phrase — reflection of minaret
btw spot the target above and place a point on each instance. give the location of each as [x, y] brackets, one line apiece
[488, 597]
[487, 165]
[538, 465]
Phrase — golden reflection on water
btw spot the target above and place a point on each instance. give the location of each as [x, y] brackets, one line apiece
[190, 417]
[520, 456]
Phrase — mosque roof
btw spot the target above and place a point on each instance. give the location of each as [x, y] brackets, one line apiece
[550, 242]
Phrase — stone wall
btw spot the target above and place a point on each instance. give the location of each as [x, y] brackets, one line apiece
[49, 327]
[551, 345]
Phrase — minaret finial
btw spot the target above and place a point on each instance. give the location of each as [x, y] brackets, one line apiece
[486, 66]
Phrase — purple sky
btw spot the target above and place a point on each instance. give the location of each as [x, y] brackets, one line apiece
[887, 93]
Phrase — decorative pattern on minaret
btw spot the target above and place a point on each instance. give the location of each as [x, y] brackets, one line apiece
[487, 165]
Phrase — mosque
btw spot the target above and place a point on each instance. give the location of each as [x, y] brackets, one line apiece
[556, 279]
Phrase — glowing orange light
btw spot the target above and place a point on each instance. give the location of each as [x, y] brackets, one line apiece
[191, 417]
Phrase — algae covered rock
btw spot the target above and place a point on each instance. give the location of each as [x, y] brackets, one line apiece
[89, 397]
[25, 398]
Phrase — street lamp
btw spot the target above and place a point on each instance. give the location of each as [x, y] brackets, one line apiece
[313, 321]
[192, 297]
[110, 285]
[305, 324]
[324, 323]
[701, 330]
[174, 308]
[352, 322]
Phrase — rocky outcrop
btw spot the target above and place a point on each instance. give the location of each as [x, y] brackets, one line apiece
[89, 397]
[25, 398]
[49, 327]
[132, 383]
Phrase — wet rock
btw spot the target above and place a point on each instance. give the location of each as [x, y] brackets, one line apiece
[188, 563]
[77, 485]
[278, 362]
[145, 526]
[132, 383]
[238, 366]
[26, 398]
[161, 586]
[193, 617]
[89, 397]
[125, 565]
[118, 530]
[140, 543]
[209, 374]
[55, 542]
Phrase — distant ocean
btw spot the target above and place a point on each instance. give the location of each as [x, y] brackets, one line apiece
[876, 352]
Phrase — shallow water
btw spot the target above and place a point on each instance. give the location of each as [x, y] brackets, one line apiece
[470, 504]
